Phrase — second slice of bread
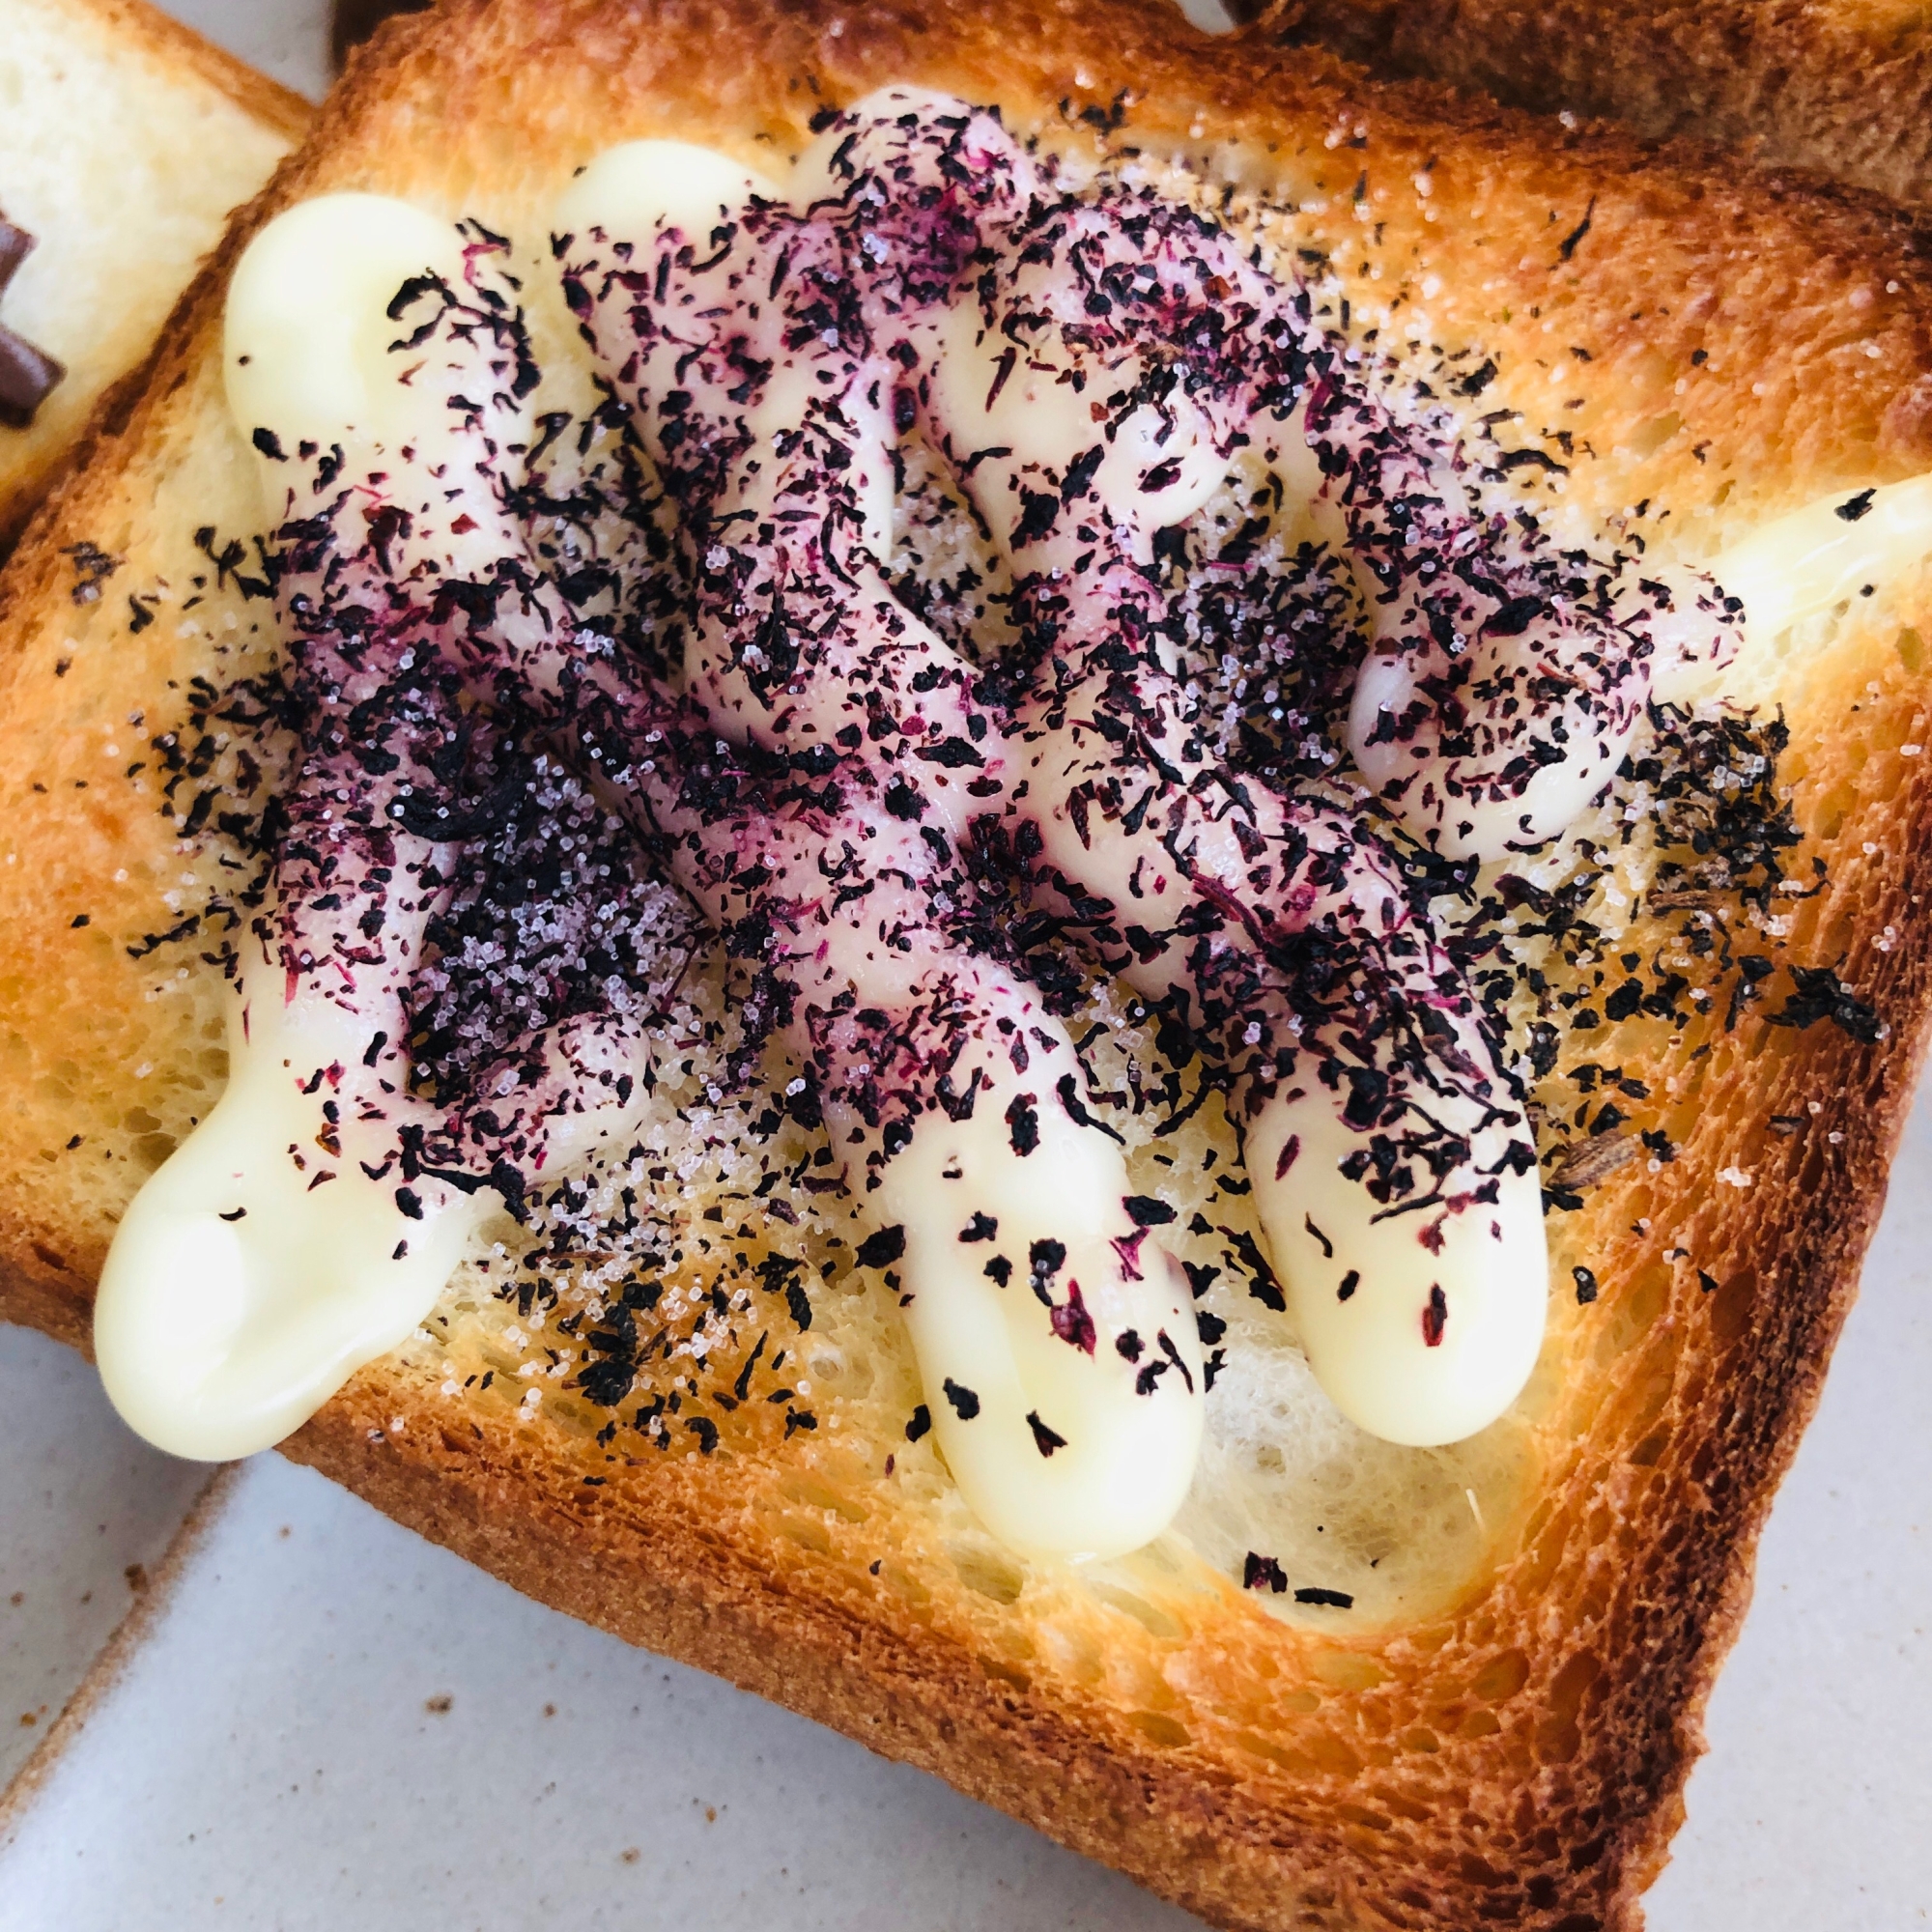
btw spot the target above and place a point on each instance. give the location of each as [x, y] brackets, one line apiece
[125, 141]
[1840, 88]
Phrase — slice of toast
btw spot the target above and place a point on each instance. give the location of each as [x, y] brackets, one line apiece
[1846, 90]
[126, 142]
[1497, 1726]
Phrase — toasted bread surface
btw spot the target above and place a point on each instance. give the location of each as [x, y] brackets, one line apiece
[1509, 1744]
[1844, 88]
[126, 142]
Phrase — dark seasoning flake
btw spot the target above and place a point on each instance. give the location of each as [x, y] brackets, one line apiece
[671, 1327]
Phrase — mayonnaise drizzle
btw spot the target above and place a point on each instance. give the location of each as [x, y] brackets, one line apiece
[1380, 1282]
[1057, 1344]
[1804, 565]
[240, 1295]
[286, 1242]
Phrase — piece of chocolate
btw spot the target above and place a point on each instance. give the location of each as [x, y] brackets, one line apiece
[16, 244]
[26, 375]
[357, 19]
[26, 372]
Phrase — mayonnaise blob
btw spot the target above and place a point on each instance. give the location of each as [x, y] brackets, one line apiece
[1056, 1447]
[1421, 1342]
[1806, 563]
[239, 1294]
[641, 187]
[307, 333]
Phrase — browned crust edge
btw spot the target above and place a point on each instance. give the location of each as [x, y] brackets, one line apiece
[1188, 1830]
[682, 1591]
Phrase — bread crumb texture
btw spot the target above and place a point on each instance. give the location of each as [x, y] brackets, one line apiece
[705, 1434]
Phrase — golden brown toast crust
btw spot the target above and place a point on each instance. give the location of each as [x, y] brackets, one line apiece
[1516, 1756]
[1845, 89]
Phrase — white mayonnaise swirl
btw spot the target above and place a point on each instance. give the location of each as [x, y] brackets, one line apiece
[240, 1292]
[275, 1253]
[1803, 564]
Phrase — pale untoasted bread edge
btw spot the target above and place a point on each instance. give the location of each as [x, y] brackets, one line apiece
[174, 43]
[176, 51]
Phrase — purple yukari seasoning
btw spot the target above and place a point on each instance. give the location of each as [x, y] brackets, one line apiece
[1087, 375]
[858, 922]
[899, 844]
[394, 775]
